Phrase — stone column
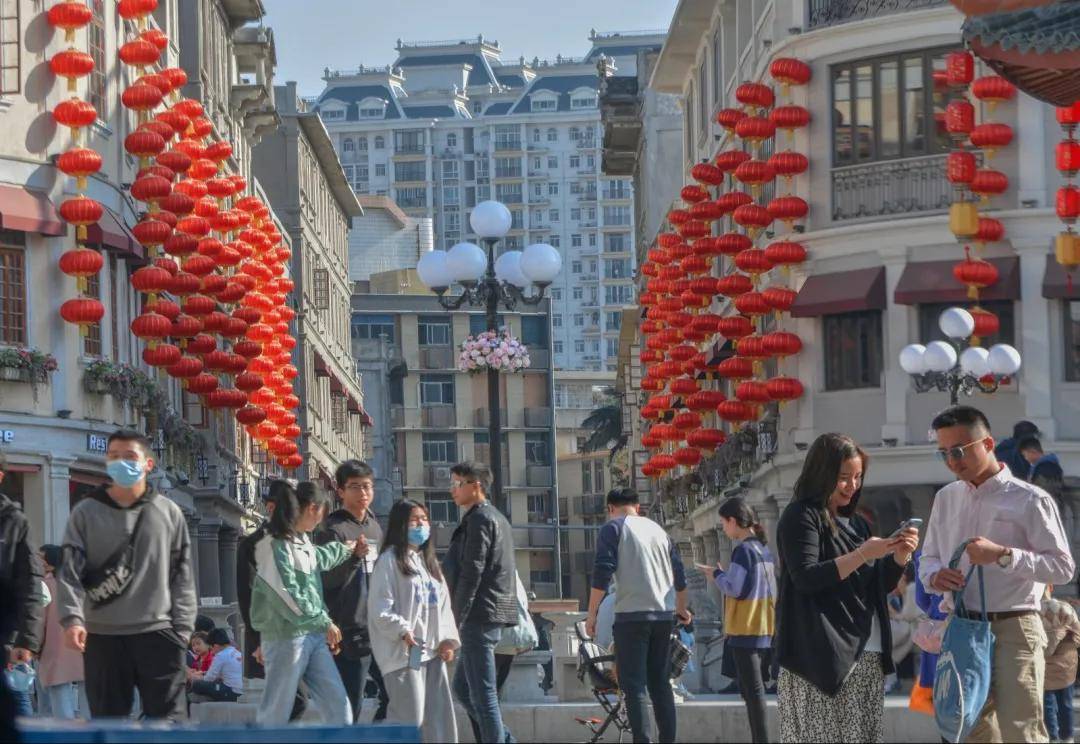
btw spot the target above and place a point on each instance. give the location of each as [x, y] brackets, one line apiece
[57, 501]
[1031, 116]
[209, 562]
[768, 514]
[193, 519]
[227, 540]
[896, 334]
[1032, 339]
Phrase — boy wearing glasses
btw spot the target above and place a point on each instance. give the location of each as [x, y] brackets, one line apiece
[1016, 534]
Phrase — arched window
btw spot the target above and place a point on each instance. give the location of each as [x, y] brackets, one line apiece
[380, 143]
[552, 134]
[536, 135]
[348, 145]
[362, 144]
[575, 134]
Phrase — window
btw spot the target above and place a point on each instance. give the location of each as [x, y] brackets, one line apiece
[554, 215]
[451, 196]
[437, 390]
[12, 287]
[1072, 341]
[536, 165]
[536, 448]
[717, 76]
[539, 507]
[372, 111]
[586, 471]
[483, 167]
[450, 170]
[380, 142]
[536, 135]
[886, 108]
[507, 137]
[575, 215]
[577, 292]
[414, 171]
[575, 162]
[441, 508]
[557, 347]
[688, 117]
[114, 308]
[1003, 309]
[409, 141]
[575, 134]
[554, 241]
[333, 114]
[575, 267]
[470, 196]
[194, 411]
[434, 331]
[583, 102]
[556, 321]
[92, 339]
[370, 327]
[616, 215]
[451, 139]
[579, 345]
[534, 331]
[553, 189]
[348, 146]
[477, 107]
[618, 295]
[544, 104]
[703, 99]
[439, 449]
[614, 321]
[361, 144]
[380, 170]
[10, 48]
[552, 134]
[95, 40]
[508, 193]
[507, 168]
[615, 243]
[556, 293]
[575, 241]
[553, 161]
[853, 350]
[616, 268]
[339, 413]
[361, 172]
[590, 162]
[412, 198]
[579, 320]
[598, 475]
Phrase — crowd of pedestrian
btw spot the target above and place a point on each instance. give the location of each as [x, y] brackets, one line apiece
[105, 624]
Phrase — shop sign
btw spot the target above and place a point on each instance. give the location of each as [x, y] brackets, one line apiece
[7, 436]
[97, 443]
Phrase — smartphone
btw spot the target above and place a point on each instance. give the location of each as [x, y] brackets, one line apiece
[913, 522]
[416, 654]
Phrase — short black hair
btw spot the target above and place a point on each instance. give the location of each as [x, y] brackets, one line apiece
[1023, 429]
[1030, 443]
[968, 416]
[53, 555]
[352, 469]
[476, 472]
[130, 435]
[218, 637]
[203, 624]
[622, 497]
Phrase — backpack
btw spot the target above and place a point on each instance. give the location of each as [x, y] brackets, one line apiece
[962, 675]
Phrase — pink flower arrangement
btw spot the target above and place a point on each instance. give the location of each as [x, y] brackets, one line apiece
[493, 350]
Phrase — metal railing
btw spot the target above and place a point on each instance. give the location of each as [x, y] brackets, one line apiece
[891, 188]
[834, 12]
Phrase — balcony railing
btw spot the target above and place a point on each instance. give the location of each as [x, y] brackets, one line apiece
[834, 12]
[409, 149]
[891, 188]
[436, 357]
[437, 416]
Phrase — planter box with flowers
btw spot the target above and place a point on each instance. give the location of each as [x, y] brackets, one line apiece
[122, 381]
[496, 350]
[26, 365]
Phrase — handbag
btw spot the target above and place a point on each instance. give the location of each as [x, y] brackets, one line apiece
[108, 582]
[522, 637]
[962, 675]
[928, 635]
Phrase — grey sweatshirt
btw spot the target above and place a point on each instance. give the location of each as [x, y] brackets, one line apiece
[162, 590]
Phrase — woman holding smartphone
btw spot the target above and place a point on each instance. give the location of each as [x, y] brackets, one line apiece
[413, 633]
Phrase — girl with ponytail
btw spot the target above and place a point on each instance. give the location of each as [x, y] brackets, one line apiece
[749, 589]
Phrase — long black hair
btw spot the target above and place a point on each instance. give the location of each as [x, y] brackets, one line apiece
[397, 538]
[736, 508]
[821, 472]
[290, 501]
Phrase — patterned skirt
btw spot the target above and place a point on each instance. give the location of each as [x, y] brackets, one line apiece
[854, 714]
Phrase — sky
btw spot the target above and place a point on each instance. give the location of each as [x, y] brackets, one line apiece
[343, 34]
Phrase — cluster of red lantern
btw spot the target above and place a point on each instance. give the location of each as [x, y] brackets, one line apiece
[974, 185]
[686, 273]
[1067, 159]
[78, 162]
[215, 313]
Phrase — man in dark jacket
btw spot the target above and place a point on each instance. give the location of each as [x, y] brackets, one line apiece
[479, 569]
[1008, 449]
[21, 611]
[345, 587]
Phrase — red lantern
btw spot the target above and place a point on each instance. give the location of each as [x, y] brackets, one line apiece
[751, 304]
[202, 384]
[139, 53]
[990, 230]
[151, 233]
[70, 15]
[185, 367]
[687, 420]
[991, 136]
[782, 344]
[141, 97]
[81, 211]
[150, 189]
[754, 95]
[71, 64]
[751, 347]
[728, 118]
[706, 439]
[251, 415]
[788, 209]
[728, 160]
[993, 89]
[81, 262]
[755, 173]
[693, 229]
[986, 323]
[735, 411]
[790, 71]
[989, 182]
[785, 253]
[693, 194]
[162, 355]
[151, 280]
[707, 173]
[134, 9]
[789, 118]
[975, 274]
[959, 119]
[82, 311]
[79, 162]
[753, 217]
[755, 129]
[960, 167]
[1068, 204]
[151, 327]
[1068, 117]
[735, 368]
[784, 388]
[734, 285]
[753, 261]
[788, 163]
[752, 391]
[779, 299]
[1067, 157]
[959, 69]
[687, 456]
[732, 200]
[706, 211]
[74, 114]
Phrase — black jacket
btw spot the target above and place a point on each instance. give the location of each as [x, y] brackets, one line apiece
[22, 614]
[345, 587]
[245, 578]
[823, 623]
[479, 568]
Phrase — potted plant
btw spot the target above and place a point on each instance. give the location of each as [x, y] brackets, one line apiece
[101, 377]
[496, 350]
[19, 364]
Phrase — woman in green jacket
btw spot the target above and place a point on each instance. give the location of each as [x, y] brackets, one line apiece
[287, 608]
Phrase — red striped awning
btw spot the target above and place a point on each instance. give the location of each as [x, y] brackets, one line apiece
[28, 210]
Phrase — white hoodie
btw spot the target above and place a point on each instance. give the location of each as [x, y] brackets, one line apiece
[399, 604]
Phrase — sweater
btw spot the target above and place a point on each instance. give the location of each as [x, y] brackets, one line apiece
[161, 594]
[646, 565]
[1063, 636]
[286, 598]
[399, 604]
[749, 587]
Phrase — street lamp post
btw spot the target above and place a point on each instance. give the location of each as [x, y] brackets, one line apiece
[489, 282]
[949, 367]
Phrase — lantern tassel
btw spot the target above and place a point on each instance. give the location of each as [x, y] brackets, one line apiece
[973, 292]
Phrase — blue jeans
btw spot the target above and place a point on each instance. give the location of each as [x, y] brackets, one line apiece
[1058, 712]
[65, 701]
[306, 658]
[643, 658]
[475, 681]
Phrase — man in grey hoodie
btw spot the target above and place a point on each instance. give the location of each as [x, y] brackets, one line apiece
[126, 590]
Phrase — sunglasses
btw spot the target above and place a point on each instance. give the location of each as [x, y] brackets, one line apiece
[459, 484]
[955, 453]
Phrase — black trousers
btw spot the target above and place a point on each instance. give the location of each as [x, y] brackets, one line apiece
[354, 675]
[217, 691]
[752, 687]
[643, 659]
[152, 662]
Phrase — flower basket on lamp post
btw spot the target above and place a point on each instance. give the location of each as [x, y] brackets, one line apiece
[497, 350]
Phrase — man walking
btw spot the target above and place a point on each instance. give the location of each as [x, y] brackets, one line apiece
[126, 592]
[22, 613]
[479, 569]
[346, 587]
[652, 591]
[1016, 534]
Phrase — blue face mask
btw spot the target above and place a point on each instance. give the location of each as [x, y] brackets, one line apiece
[419, 535]
[125, 473]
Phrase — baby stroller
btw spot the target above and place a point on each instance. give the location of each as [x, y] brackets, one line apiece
[597, 669]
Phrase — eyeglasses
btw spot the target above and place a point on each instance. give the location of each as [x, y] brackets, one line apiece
[955, 453]
[459, 484]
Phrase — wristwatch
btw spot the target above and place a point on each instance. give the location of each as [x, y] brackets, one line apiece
[1005, 559]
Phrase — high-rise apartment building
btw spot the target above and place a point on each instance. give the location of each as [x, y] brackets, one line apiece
[449, 124]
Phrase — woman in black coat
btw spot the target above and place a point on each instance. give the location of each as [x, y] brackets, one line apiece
[833, 638]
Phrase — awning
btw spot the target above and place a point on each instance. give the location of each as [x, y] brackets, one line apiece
[111, 232]
[841, 292]
[27, 210]
[13, 467]
[87, 479]
[321, 369]
[933, 281]
[1056, 282]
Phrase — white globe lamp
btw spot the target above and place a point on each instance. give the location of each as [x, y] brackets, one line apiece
[973, 361]
[490, 219]
[1003, 360]
[433, 271]
[466, 262]
[911, 359]
[541, 263]
[508, 269]
[940, 356]
[956, 322]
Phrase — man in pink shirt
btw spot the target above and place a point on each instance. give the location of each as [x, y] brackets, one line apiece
[1017, 536]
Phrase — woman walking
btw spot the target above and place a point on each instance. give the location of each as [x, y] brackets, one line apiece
[60, 668]
[749, 588]
[287, 608]
[833, 636]
[413, 633]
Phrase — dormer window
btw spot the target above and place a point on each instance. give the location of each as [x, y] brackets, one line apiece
[333, 114]
[582, 102]
[372, 108]
[544, 104]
